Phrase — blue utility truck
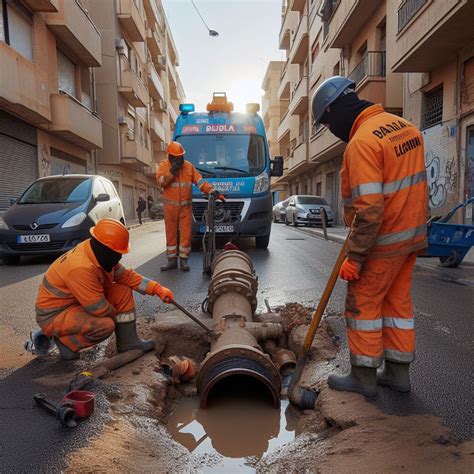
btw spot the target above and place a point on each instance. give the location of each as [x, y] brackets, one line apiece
[230, 150]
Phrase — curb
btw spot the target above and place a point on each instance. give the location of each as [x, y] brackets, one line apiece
[320, 234]
[148, 222]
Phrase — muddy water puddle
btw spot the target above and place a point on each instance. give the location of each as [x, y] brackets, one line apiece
[241, 430]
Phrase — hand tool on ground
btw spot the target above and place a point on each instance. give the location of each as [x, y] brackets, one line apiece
[64, 413]
[194, 318]
[301, 397]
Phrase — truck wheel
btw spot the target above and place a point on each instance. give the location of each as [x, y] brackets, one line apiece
[262, 241]
[12, 260]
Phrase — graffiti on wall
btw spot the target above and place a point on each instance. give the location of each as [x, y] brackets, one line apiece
[441, 166]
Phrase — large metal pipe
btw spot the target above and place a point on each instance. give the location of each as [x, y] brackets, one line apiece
[232, 300]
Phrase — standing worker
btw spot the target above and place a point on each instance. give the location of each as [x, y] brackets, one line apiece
[176, 176]
[140, 208]
[385, 197]
[86, 294]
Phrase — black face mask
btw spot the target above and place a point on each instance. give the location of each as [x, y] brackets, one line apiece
[106, 257]
[175, 159]
[343, 113]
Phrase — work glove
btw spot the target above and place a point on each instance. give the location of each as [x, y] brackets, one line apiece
[164, 293]
[350, 270]
[218, 196]
[177, 164]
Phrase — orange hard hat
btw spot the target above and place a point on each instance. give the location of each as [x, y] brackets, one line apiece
[175, 149]
[113, 234]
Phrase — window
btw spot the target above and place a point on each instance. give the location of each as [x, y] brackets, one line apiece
[318, 188]
[109, 188]
[337, 69]
[15, 28]
[131, 122]
[432, 108]
[57, 190]
[98, 188]
[315, 52]
[66, 74]
[87, 88]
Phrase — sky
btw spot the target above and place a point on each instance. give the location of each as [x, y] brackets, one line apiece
[234, 62]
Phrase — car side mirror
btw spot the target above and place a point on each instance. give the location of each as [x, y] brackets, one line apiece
[276, 166]
[102, 197]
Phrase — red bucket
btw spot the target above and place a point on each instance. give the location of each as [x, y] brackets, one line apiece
[82, 402]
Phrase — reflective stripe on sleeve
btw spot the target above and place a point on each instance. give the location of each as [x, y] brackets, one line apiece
[405, 182]
[398, 323]
[398, 356]
[366, 188]
[143, 285]
[366, 361]
[364, 324]
[125, 317]
[396, 237]
[180, 185]
[55, 291]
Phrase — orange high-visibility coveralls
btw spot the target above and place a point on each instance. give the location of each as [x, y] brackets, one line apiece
[177, 200]
[79, 302]
[385, 197]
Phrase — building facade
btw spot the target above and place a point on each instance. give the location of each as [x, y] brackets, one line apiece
[138, 94]
[272, 111]
[376, 43]
[49, 50]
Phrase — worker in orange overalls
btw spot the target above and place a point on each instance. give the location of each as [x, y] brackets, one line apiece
[86, 294]
[385, 197]
[176, 176]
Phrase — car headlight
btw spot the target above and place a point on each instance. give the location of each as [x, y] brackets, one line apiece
[76, 219]
[261, 183]
[3, 224]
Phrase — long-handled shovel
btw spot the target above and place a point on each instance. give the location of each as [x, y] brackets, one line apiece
[305, 398]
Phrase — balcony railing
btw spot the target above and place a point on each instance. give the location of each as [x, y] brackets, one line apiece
[407, 11]
[372, 65]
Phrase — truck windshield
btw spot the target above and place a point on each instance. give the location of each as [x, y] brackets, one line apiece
[225, 155]
[57, 190]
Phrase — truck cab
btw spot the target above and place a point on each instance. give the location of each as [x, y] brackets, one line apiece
[231, 152]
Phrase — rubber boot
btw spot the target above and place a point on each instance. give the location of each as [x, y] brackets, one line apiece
[65, 352]
[171, 265]
[395, 376]
[126, 338]
[183, 263]
[360, 380]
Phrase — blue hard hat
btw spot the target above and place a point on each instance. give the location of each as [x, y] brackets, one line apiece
[327, 92]
[39, 343]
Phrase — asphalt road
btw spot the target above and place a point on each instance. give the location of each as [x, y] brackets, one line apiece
[294, 268]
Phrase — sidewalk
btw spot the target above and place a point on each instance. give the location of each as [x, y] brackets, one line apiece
[339, 234]
[134, 224]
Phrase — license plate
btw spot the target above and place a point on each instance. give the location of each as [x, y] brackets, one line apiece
[218, 228]
[31, 239]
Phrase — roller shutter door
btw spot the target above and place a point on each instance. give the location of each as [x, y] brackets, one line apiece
[18, 158]
[127, 202]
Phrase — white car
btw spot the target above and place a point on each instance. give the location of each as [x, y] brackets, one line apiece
[279, 210]
[306, 210]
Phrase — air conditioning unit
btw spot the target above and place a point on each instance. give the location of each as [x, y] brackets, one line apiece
[122, 120]
[161, 60]
[163, 146]
[120, 44]
[162, 105]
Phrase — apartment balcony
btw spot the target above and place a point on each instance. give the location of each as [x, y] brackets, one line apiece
[155, 86]
[153, 42]
[153, 13]
[348, 20]
[172, 113]
[299, 98]
[421, 24]
[298, 160]
[74, 27]
[299, 45]
[43, 5]
[173, 51]
[24, 87]
[157, 130]
[284, 127]
[132, 88]
[289, 75]
[74, 122]
[369, 76]
[290, 22]
[134, 154]
[131, 19]
[324, 146]
[297, 5]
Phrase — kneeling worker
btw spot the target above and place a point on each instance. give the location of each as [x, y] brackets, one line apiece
[176, 176]
[86, 294]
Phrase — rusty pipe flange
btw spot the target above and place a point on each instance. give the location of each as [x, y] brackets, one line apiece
[238, 361]
[233, 259]
[230, 287]
[232, 276]
[284, 360]
[220, 285]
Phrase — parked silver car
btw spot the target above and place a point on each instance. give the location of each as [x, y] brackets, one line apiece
[306, 210]
[279, 210]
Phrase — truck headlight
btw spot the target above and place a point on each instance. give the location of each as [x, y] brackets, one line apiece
[261, 183]
[76, 219]
[3, 224]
